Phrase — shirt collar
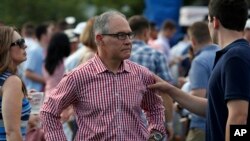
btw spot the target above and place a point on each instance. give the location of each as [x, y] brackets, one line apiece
[138, 42]
[206, 47]
[236, 43]
[100, 67]
[162, 37]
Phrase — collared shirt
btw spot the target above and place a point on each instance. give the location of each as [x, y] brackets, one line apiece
[150, 58]
[201, 67]
[34, 63]
[199, 74]
[229, 80]
[107, 105]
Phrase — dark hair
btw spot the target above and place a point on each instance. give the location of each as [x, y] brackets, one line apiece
[28, 29]
[40, 30]
[231, 13]
[153, 25]
[59, 47]
[138, 23]
[200, 31]
[168, 24]
[62, 25]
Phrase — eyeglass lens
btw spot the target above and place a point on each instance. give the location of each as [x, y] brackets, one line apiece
[123, 36]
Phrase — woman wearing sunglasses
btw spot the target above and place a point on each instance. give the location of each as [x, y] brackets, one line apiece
[14, 105]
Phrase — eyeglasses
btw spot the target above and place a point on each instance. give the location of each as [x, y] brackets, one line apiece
[19, 42]
[122, 35]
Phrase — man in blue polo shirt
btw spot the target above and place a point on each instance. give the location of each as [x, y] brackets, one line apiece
[199, 74]
[228, 89]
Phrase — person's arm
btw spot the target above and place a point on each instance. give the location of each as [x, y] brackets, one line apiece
[192, 103]
[237, 114]
[199, 74]
[168, 105]
[33, 76]
[237, 92]
[60, 98]
[31, 66]
[199, 92]
[12, 107]
[67, 113]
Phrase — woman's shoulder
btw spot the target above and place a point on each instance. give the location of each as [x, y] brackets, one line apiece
[12, 81]
[12, 84]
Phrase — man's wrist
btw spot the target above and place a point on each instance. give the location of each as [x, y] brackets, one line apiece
[156, 135]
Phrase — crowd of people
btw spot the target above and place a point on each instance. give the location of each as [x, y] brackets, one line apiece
[118, 78]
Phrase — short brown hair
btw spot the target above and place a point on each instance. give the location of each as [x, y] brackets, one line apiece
[138, 24]
[200, 31]
[168, 24]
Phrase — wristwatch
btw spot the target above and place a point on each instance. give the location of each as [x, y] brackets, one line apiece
[156, 136]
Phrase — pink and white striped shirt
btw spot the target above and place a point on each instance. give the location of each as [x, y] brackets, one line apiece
[108, 106]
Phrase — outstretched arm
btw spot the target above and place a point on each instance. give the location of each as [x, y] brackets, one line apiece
[192, 103]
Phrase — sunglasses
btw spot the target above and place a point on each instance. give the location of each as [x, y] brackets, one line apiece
[20, 43]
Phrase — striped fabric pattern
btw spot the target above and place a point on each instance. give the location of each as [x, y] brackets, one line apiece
[107, 105]
[26, 108]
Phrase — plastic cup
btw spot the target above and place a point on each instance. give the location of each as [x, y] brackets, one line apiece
[36, 101]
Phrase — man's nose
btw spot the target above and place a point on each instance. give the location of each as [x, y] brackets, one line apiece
[128, 40]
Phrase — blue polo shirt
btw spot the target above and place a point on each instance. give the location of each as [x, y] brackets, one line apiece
[199, 74]
[230, 80]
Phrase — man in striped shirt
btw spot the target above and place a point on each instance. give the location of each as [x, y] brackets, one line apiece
[108, 92]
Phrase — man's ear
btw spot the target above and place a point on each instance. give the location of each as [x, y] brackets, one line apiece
[98, 39]
[193, 41]
[216, 23]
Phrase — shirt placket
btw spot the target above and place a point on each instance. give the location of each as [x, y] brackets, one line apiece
[118, 107]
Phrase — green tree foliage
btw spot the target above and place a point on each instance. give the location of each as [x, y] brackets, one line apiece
[17, 12]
